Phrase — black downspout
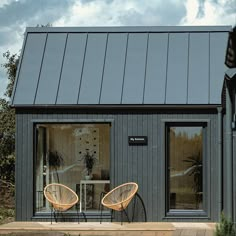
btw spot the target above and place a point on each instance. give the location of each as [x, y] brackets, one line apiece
[220, 169]
[228, 183]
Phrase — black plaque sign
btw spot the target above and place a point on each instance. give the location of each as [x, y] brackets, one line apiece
[138, 140]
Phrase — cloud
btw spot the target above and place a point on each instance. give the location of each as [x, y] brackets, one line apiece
[119, 13]
[201, 10]
[16, 15]
[17, 12]
[210, 12]
[152, 12]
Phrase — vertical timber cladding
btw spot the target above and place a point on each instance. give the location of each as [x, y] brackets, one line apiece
[139, 163]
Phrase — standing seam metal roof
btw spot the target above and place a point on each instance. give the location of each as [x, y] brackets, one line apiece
[121, 66]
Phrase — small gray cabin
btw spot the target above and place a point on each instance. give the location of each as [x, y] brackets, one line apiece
[145, 102]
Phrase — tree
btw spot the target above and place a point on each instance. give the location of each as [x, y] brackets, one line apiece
[7, 122]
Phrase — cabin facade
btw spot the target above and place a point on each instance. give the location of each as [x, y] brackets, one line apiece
[145, 102]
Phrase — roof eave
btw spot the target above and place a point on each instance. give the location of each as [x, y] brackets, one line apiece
[130, 29]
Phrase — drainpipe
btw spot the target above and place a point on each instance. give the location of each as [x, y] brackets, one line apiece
[230, 125]
[219, 109]
[228, 184]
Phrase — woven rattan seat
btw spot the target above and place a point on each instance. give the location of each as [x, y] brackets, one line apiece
[119, 198]
[61, 197]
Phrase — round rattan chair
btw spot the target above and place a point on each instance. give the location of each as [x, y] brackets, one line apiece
[119, 198]
[61, 197]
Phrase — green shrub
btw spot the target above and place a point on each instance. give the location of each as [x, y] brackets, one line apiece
[225, 227]
[6, 214]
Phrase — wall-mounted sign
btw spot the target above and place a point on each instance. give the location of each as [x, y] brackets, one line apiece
[138, 140]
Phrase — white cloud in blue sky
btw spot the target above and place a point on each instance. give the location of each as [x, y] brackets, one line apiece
[15, 15]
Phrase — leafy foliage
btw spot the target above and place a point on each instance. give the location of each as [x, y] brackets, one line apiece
[7, 122]
[11, 68]
[6, 214]
[225, 228]
[195, 162]
[55, 160]
[89, 161]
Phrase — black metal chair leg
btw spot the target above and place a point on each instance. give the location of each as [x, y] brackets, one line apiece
[134, 205]
[101, 215]
[144, 208]
[126, 215]
[51, 214]
[85, 218]
[55, 215]
[77, 211]
[111, 214]
[122, 217]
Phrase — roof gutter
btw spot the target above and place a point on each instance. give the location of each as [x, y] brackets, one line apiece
[115, 106]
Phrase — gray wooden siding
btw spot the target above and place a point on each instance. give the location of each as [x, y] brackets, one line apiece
[142, 164]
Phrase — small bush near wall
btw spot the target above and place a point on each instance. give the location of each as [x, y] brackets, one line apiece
[225, 227]
[6, 215]
[7, 200]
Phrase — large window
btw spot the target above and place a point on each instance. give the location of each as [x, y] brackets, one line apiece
[63, 154]
[185, 165]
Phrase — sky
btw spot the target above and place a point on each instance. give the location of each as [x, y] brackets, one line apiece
[16, 15]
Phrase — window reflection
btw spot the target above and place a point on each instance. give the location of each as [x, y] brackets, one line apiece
[185, 167]
[68, 153]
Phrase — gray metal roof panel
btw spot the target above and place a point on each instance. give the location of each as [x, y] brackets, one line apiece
[29, 70]
[177, 69]
[135, 69]
[111, 90]
[156, 69]
[51, 69]
[175, 65]
[93, 69]
[72, 69]
[198, 71]
[218, 43]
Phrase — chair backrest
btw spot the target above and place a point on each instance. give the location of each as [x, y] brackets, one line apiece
[119, 198]
[60, 196]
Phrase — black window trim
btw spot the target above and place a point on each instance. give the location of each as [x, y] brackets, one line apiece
[188, 214]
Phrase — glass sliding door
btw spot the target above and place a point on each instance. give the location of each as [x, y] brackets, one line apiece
[185, 165]
[69, 153]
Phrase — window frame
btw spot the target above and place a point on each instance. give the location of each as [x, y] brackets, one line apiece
[68, 121]
[180, 213]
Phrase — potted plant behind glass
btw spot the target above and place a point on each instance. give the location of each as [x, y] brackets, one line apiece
[55, 160]
[195, 162]
[89, 161]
